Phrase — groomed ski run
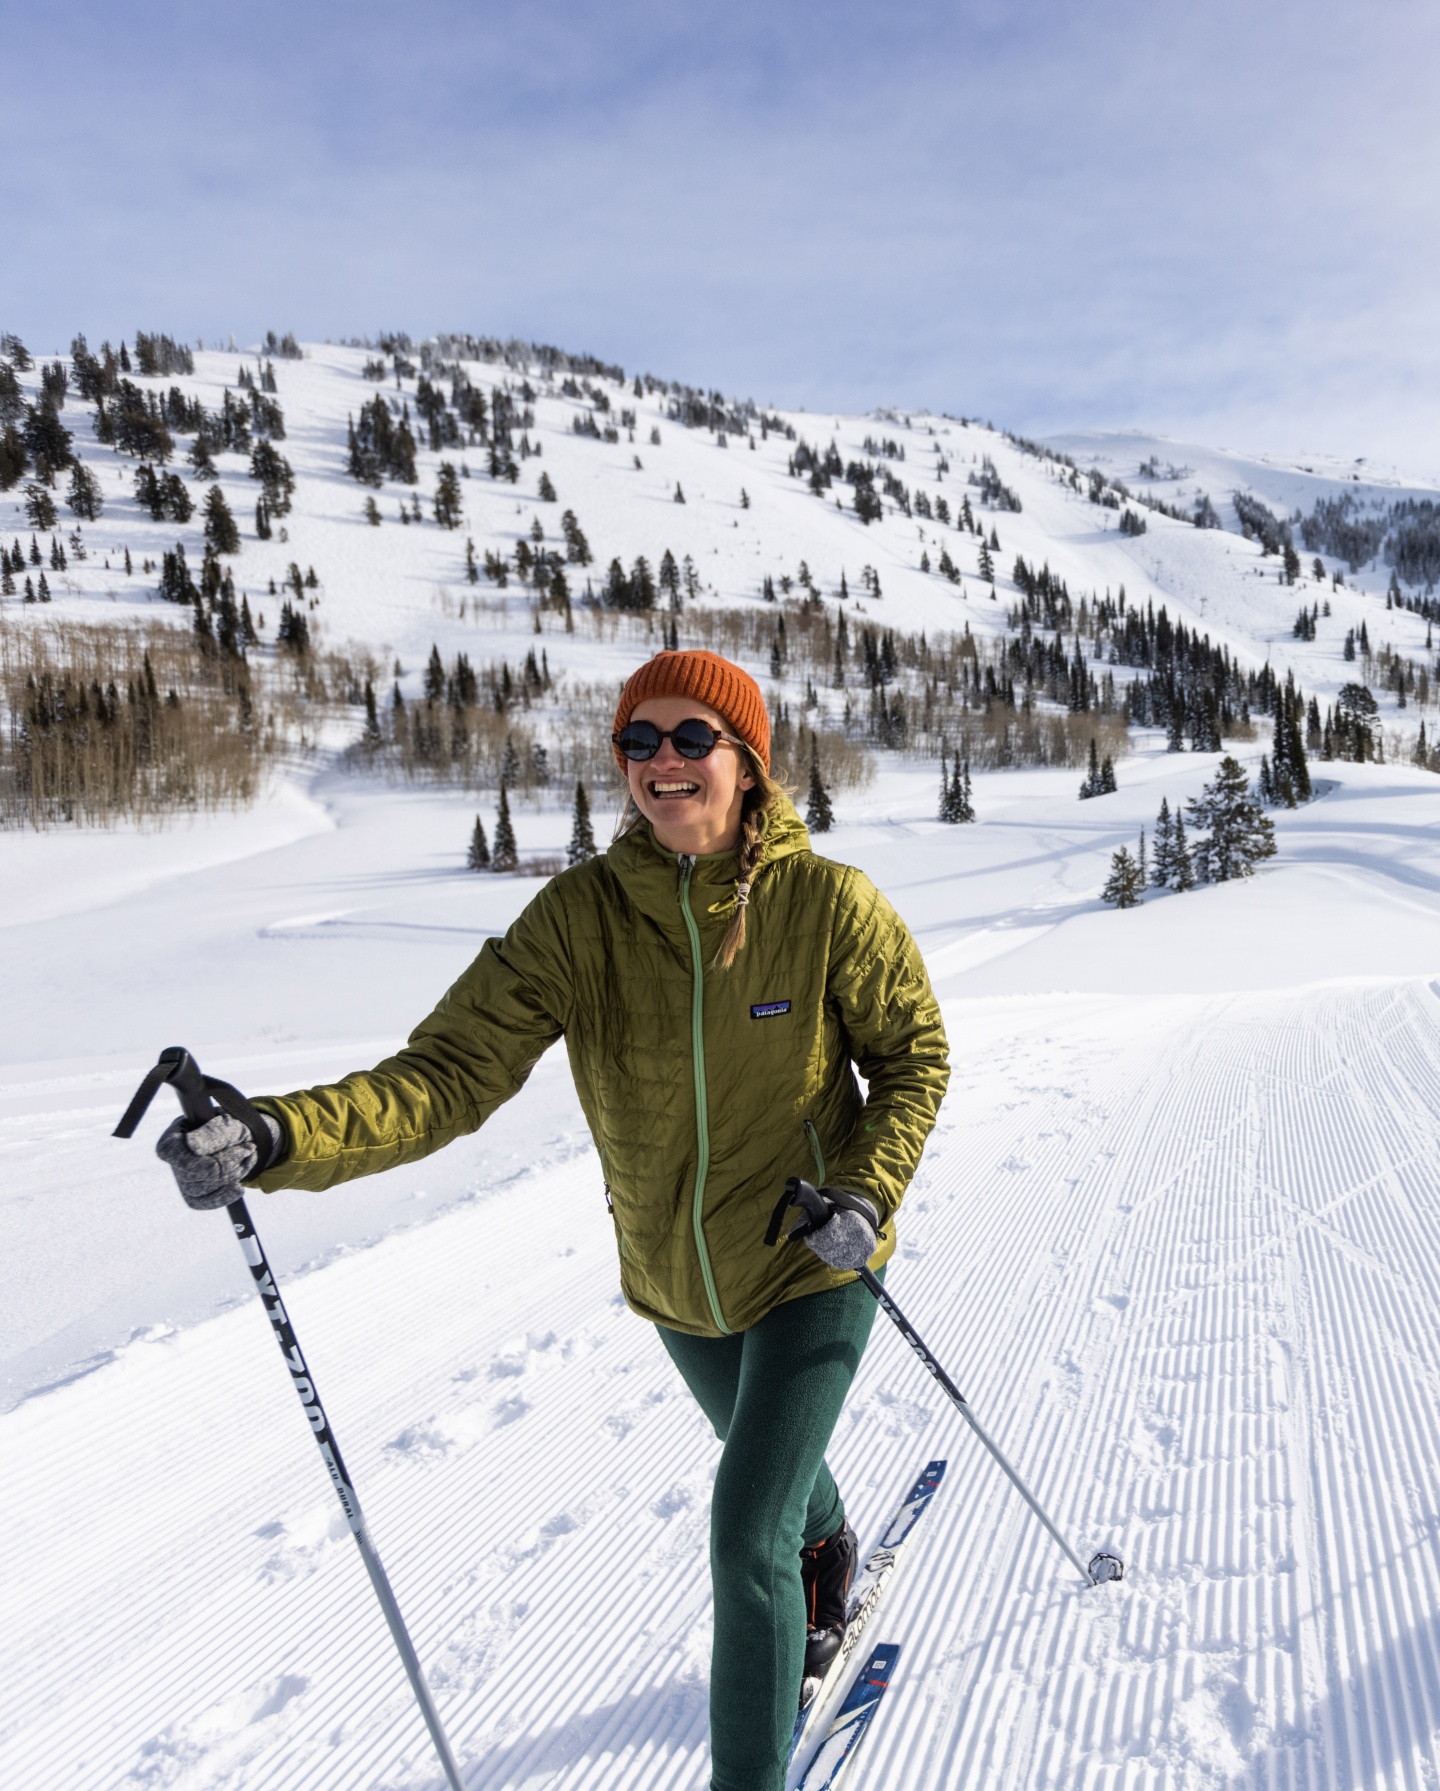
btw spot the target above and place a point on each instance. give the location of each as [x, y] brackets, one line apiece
[1186, 1251]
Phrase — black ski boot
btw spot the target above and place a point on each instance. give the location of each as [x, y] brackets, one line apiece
[826, 1571]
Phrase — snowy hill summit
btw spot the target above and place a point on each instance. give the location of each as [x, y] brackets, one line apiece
[406, 498]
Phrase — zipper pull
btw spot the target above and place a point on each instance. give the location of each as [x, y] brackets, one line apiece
[686, 863]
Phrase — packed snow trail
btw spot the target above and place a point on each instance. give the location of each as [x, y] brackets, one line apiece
[1181, 1255]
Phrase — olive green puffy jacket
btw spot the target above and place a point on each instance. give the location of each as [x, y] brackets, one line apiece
[704, 1088]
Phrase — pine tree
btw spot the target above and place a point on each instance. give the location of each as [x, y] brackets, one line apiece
[221, 531]
[262, 521]
[1093, 784]
[582, 835]
[1125, 887]
[1240, 832]
[679, 493]
[1107, 776]
[84, 496]
[819, 815]
[478, 857]
[1184, 877]
[371, 738]
[505, 856]
[448, 503]
[40, 507]
[1140, 861]
[947, 797]
[547, 490]
[1162, 861]
[960, 785]
[372, 512]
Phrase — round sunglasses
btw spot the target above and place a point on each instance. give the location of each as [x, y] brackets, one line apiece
[693, 739]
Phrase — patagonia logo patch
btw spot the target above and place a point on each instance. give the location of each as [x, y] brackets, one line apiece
[767, 1010]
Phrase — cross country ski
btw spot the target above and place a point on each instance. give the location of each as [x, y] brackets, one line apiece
[874, 1579]
[852, 1720]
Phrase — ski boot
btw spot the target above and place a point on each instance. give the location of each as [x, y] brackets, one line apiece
[826, 1571]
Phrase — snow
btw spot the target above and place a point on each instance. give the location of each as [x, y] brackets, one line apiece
[1175, 1236]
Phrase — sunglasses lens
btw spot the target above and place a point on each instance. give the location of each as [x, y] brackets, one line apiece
[640, 740]
[694, 739]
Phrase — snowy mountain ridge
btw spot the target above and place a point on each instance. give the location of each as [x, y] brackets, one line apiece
[749, 521]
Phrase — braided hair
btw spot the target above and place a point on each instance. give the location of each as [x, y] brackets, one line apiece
[759, 805]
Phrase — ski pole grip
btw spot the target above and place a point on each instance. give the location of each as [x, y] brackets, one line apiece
[183, 1075]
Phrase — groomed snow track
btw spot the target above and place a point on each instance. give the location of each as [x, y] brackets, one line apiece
[1183, 1255]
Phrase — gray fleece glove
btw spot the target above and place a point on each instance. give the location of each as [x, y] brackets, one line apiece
[211, 1161]
[849, 1237]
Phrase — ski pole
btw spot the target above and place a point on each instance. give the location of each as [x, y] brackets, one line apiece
[1103, 1566]
[201, 1098]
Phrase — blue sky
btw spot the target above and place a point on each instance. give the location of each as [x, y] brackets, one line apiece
[1218, 220]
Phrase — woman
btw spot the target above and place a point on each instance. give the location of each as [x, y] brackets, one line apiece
[717, 985]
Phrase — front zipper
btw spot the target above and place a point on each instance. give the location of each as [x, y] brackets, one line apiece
[702, 1108]
[818, 1154]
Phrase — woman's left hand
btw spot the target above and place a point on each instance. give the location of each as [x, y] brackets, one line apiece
[850, 1236]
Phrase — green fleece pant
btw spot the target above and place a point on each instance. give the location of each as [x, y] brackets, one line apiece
[773, 1394]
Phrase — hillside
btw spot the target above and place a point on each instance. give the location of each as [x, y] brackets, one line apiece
[752, 521]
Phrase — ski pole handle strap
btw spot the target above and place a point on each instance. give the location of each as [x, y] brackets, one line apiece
[201, 1097]
[819, 1206]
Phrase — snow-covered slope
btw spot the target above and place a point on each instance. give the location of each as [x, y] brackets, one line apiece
[1175, 1235]
[404, 587]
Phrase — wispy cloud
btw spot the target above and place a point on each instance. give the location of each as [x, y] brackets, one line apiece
[1218, 219]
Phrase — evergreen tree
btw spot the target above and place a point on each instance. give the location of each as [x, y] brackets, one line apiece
[84, 497]
[1184, 877]
[478, 857]
[1240, 832]
[221, 531]
[679, 493]
[819, 815]
[1205, 723]
[201, 460]
[987, 565]
[577, 548]
[12, 457]
[372, 737]
[262, 521]
[1125, 887]
[1093, 784]
[1140, 861]
[961, 798]
[505, 856]
[372, 512]
[642, 584]
[669, 579]
[582, 835]
[40, 507]
[434, 676]
[447, 497]
[947, 799]
[1162, 861]
[1107, 776]
[547, 490]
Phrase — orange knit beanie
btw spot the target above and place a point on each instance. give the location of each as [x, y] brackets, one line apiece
[717, 683]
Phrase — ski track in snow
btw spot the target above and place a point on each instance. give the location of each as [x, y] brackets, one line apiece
[1182, 1255]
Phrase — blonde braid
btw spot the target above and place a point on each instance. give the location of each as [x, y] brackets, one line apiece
[763, 802]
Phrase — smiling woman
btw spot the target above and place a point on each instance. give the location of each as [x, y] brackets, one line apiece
[711, 1067]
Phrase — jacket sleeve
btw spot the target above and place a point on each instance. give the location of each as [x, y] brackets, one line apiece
[879, 988]
[474, 1052]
